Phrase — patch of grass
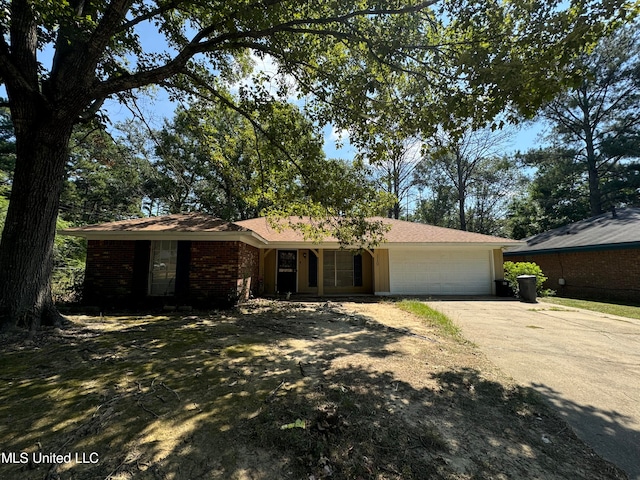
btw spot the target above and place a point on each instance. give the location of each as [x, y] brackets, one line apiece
[433, 317]
[629, 311]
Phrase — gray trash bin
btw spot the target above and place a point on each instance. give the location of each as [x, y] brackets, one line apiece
[527, 286]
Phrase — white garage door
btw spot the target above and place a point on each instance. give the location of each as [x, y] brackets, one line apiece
[414, 272]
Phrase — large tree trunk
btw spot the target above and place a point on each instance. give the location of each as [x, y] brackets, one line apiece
[595, 197]
[26, 260]
[588, 126]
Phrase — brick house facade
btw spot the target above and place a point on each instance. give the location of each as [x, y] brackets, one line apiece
[199, 260]
[208, 273]
[109, 271]
[597, 258]
[599, 275]
[222, 270]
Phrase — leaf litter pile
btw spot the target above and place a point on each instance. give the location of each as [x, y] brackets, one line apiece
[273, 389]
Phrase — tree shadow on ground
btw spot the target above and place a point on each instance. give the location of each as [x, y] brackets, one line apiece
[591, 422]
[257, 394]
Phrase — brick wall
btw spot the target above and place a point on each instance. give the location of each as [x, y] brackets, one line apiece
[109, 270]
[249, 261]
[217, 271]
[214, 270]
[598, 275]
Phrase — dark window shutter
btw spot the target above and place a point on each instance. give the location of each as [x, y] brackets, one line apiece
[183, 262]
[357, 270]
[141, 259]
[313, 269]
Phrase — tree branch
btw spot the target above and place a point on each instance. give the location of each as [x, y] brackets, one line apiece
[295, 26]
[228, 40]
[148, 16]
[76, 57]
[107, 27]
[226, 102]
[24, 41]
[10, 73]
[92, 110]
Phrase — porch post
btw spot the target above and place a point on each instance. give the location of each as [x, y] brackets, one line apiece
[263, 254]
[320, 272]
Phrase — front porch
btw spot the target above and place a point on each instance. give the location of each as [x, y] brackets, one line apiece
[319, 272]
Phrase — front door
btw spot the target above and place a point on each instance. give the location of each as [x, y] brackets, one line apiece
[287, 271]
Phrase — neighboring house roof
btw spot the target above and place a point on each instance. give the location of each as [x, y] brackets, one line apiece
[197, 225]
[619, 229]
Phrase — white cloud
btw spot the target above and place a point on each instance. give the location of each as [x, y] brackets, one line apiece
[338, 135]
[336, 143]
[267, 66]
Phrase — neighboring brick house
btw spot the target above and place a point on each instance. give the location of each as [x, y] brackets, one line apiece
[196, 259]
[597, 258]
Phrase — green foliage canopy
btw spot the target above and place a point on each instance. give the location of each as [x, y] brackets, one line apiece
[557, 194]
[591, 163]
[599, 118]
[104, 179]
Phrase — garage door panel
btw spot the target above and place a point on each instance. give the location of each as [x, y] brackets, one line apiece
[440, 273]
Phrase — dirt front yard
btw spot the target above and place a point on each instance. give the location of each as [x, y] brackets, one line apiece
[291, 390]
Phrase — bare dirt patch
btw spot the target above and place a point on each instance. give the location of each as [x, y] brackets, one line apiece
[300, 390]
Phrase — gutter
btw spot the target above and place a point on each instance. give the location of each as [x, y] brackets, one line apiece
[249, 237]
[580, 248]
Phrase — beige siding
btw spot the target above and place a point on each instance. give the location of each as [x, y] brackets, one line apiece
[269, 276]
[303, 273]
[268, 272]
[381, 271]
[497, 264]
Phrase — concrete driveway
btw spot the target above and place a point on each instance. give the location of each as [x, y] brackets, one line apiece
[586, 364]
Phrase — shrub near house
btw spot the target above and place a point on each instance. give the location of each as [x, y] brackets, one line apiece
[512, 270]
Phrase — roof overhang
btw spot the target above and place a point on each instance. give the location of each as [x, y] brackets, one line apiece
[440, 245]
[577, 248]
[250, 238]
[391, 245]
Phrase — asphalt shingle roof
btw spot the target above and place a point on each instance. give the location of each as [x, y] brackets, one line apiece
[401, 232]
[605, 230]
[180, 222]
